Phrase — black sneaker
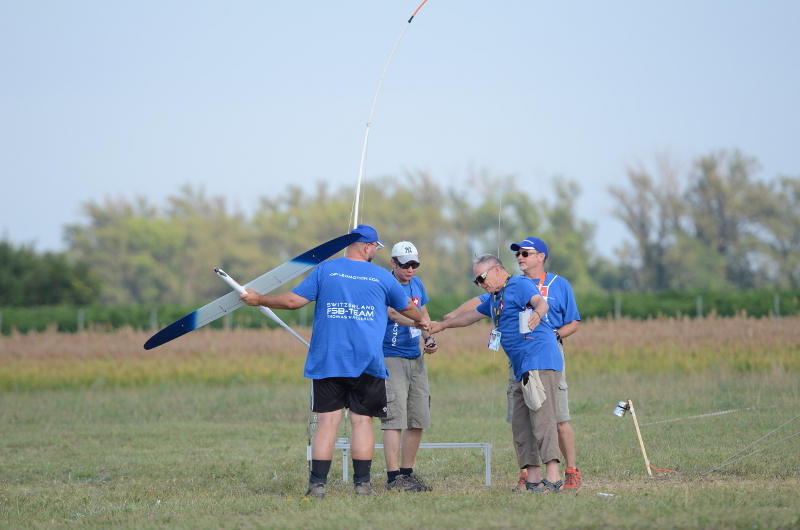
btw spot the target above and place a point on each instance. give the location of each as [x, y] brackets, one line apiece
[403, 483]
[364, 488]
[416, 479]
[316, 489]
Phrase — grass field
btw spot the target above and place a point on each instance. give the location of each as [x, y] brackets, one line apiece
[210, 431]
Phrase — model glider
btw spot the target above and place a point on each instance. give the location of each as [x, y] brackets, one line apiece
[263, 284]
[265, 310]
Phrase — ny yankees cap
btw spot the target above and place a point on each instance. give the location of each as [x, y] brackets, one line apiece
[404, 252]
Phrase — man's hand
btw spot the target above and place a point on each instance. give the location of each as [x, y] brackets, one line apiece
[251, 298]
[424, 324]
[430, 345]
[435, 327]
[534, 320]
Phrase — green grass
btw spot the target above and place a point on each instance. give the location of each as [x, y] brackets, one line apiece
[211, 456]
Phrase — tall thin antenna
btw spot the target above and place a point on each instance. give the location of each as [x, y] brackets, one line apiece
[357, 198]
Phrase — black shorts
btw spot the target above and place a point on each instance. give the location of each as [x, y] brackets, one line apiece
[365, 395]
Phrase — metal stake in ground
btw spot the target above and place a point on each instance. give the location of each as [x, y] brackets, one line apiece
[639, 434]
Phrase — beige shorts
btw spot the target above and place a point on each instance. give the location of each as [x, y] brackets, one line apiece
[562, 397]
[408, 396]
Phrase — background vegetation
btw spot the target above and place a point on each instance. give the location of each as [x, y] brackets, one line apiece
[757, 303]
[712, 229]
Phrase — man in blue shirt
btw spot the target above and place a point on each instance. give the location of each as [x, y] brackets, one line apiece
[535, 360]
[345, 358]
[407, 389]
[564, 318]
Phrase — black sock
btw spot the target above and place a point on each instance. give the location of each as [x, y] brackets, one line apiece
[392, 475]
[361, 469]
[406, 471]
[319, 470]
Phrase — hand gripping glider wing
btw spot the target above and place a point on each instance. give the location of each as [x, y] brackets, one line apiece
[263, 284]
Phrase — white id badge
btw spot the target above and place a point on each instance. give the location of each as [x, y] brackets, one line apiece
[494, 340]
[415, 332]
[523, 320]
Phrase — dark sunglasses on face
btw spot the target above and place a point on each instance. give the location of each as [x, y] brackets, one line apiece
[404, 266]
[525, 253]
[480, 278]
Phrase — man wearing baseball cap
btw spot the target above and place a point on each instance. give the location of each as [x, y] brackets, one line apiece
[407, 388]
[564, 318]
[345, 358]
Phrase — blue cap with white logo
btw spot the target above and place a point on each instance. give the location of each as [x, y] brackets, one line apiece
[532, 242]
[368, 235]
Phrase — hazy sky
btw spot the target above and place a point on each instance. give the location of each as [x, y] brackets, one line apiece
[110, 99]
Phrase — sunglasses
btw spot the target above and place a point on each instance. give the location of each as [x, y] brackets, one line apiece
[480, 278]
[411, 264]
[525, 253]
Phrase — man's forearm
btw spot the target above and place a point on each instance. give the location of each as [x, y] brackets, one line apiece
[401, 319]
[277, 301]
[541, 306]
[472, 303]
[569, 328]
[412, 312]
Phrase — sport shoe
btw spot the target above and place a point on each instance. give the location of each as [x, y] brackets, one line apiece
[316, 489]
[416, 479]
[572, 479]
[403, 483]
[364, 488]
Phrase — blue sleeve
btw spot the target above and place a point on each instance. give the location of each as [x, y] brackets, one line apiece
[485, 307]
[309, 288]
[570, 306]
[524, 292]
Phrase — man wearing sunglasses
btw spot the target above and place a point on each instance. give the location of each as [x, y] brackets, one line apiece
[407, 390]
[564, 318]
[516, 307]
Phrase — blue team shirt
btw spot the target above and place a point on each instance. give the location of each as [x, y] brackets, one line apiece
[536, 350]
[558, 293]
[349, 317]
[398, 342]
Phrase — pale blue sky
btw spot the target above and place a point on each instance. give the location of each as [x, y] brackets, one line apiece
[108, 99]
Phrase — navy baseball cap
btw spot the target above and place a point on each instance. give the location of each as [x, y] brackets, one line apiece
[532, 242]
[368, 235]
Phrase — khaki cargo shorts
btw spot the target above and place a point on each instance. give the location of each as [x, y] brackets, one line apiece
[408, 396]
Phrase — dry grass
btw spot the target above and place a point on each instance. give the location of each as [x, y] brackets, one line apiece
[57, 360]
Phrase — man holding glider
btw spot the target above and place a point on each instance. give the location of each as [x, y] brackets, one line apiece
[564, 318]
[516, 307]
[408, 394]
[345, 359]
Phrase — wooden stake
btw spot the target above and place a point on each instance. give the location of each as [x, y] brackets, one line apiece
[639, 434]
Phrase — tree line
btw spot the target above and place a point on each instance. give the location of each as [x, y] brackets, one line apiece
[715, 228]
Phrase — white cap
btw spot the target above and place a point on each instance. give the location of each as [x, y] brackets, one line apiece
[404, 252]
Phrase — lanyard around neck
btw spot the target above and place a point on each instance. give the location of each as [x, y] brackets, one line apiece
[497, 303]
